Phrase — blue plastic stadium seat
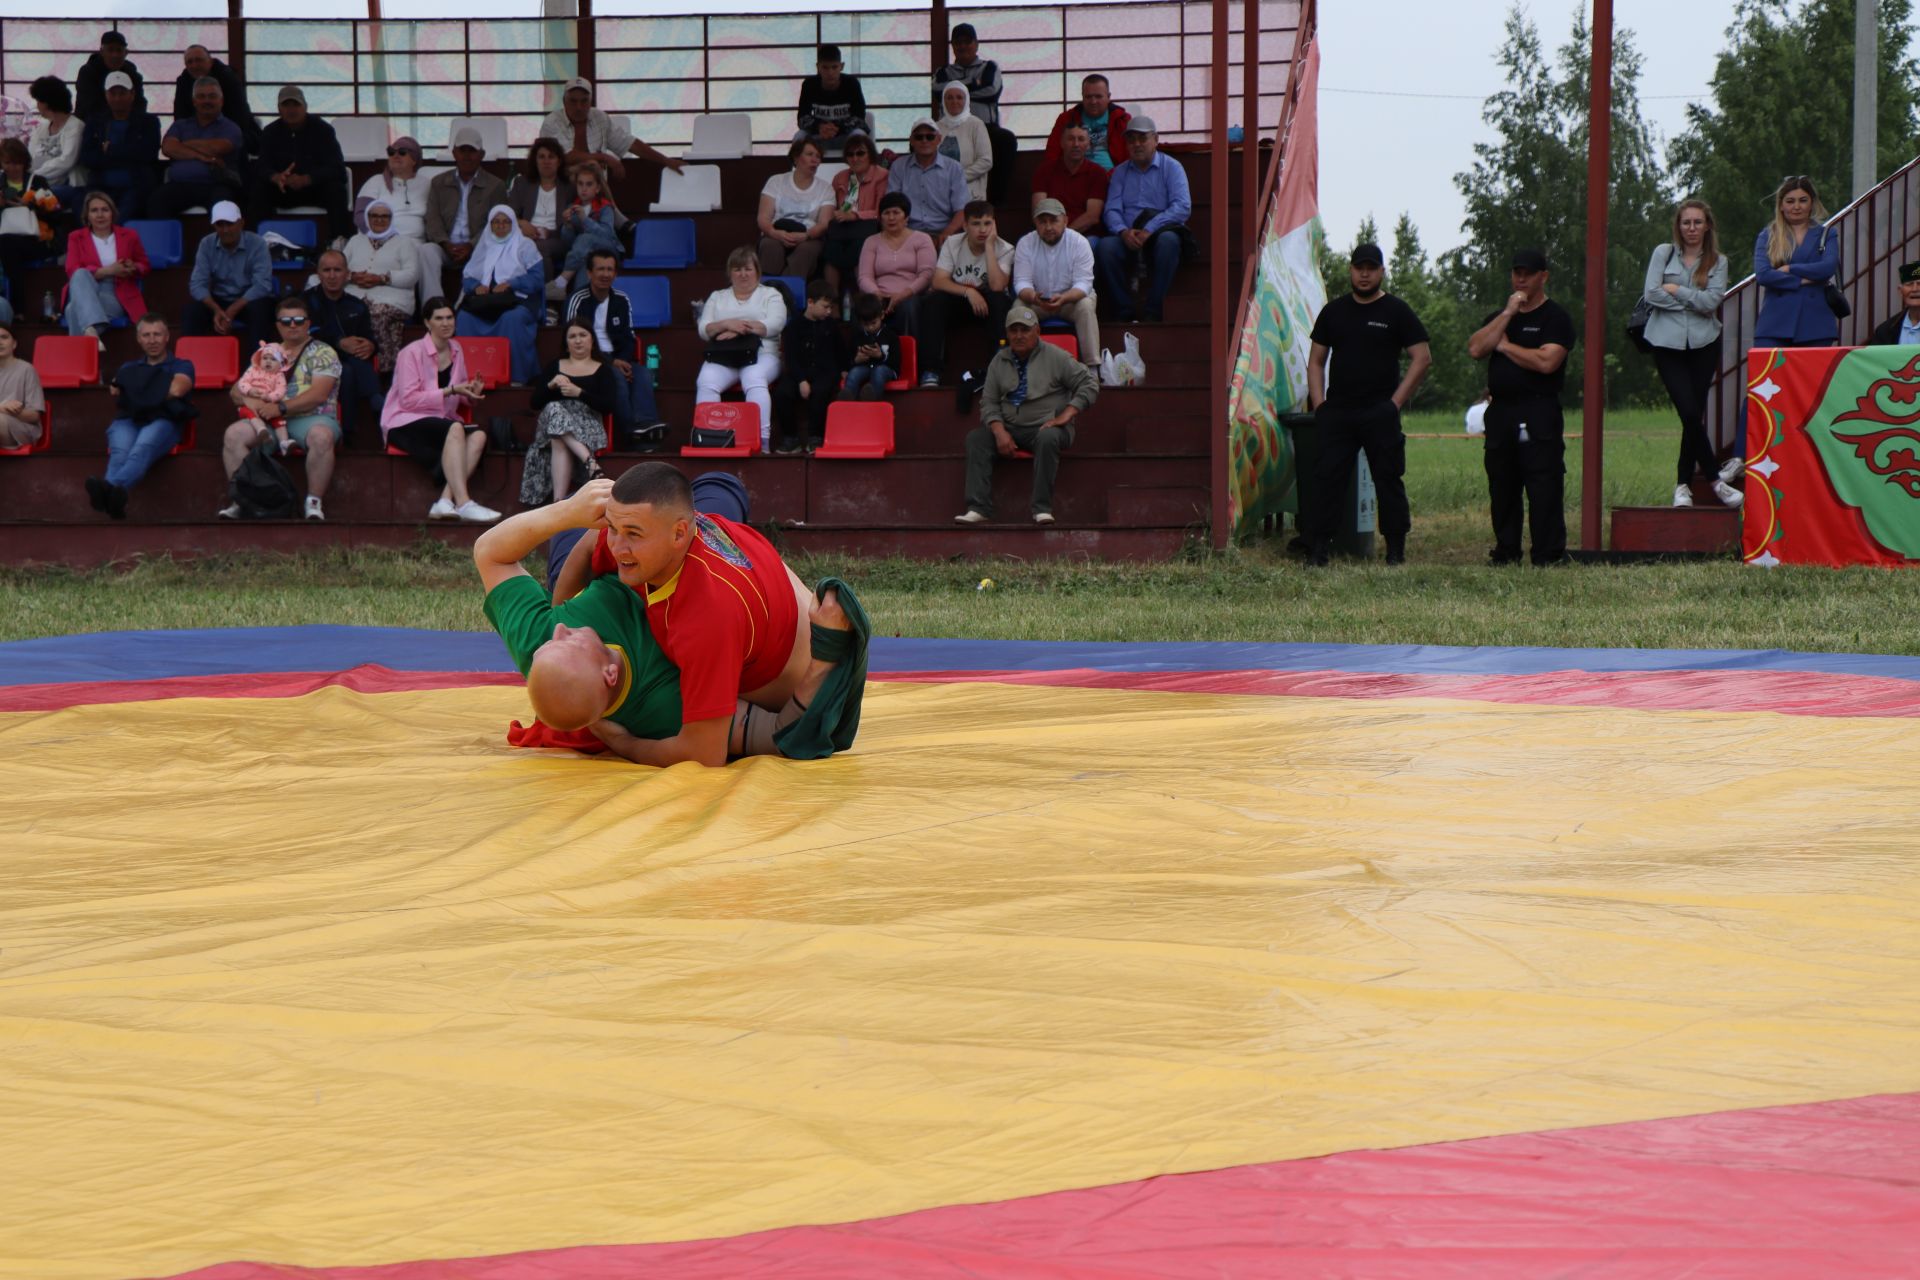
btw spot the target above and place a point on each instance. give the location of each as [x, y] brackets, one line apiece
[299, 230]
[795, 287]
[662, 243]
[652, 300]
[164, 240]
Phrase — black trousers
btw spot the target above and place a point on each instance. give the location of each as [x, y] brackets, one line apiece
[1346, 431]
[1688, 375]
[264, 200]
[939, 310]
[1006, 153]
[1527, 477]
[359, 386]
[798, 418]
[256, 318]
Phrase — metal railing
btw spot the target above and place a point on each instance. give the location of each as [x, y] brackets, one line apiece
[1877, 232]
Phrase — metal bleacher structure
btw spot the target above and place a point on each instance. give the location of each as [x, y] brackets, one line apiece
[1137, 484]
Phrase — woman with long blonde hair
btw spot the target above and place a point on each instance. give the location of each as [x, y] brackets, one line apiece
[1793, 259]
[1686, 278]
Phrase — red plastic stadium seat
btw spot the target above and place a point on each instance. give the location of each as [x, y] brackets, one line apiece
[488, 359]
[63, 361]
[215, 361]
[46, 430]
[1065, 341]
[909, 366]
[858, 429]
[742, 417]
[187, 437]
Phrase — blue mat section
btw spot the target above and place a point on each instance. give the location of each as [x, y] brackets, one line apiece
[152, 655]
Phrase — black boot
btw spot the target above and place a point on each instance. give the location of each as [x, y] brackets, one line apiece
[1397, 549]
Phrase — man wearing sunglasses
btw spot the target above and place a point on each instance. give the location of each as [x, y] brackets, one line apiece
[935, 184]
[310, 408]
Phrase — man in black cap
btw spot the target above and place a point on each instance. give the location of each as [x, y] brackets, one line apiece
[1902, 329]
[981, 76]
[90, 82]
[233, 94]
[1525, 344]
[300, 164]
[1359, 408]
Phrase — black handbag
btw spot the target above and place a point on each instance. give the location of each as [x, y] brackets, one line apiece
[1836, 300]
[1643, 312]
[738, 352]
[489, 306]
[712, 438]
[500, 437]
[791, 224]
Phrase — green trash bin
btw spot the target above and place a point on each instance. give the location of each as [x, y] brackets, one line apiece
[1357, 514]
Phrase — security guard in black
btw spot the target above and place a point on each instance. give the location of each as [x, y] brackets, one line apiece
[1358, 408]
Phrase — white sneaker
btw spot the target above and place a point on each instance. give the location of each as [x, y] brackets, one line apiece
[969, 517]
[1732, 469]
[230, 512]
[473, 513]
[443, 509]
[1683, 495]
[1727, 494]
[313, 509]
[1043, 517]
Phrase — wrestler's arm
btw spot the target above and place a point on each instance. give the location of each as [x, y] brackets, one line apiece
[498, 552]
[703, 742]
[577, 572]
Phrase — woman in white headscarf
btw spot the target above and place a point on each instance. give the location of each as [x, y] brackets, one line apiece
[504, 281]
[963, 135]
[383, 268]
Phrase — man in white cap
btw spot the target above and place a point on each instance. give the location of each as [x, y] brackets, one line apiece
[458, 199]
[588, 133]
[1053, 274]
[935, 184]
[232, 282]
[205, 150]
[300, 164]
[118, 145]
[1148, 204]
[1034, 394]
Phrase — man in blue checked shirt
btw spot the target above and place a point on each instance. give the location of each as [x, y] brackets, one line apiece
[1148, 204]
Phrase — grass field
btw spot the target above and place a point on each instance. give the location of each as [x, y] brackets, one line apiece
[1445, 595]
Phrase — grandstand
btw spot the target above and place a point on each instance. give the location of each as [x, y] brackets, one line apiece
[1137, 483]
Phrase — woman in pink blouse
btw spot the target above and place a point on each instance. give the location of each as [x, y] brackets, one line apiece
[426, 415]
[897, 264]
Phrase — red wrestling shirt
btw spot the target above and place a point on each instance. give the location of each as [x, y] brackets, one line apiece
[727, 619]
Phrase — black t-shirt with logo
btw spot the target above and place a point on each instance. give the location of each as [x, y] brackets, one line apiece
[1366, 339]
[1546, 324]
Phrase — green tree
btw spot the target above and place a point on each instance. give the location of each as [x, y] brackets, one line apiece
[1454, 380]
[1333, 262]
[1783, 104]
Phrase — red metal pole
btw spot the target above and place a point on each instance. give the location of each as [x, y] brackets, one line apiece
[1219, 330]
[1252, 128]
[236, 40]
[937, 30]
[584, 40]
[1599, 170]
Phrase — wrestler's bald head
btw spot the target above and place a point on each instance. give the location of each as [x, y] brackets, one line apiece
[572, 679]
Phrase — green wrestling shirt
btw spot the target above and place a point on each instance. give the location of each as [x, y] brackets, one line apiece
[649, 704]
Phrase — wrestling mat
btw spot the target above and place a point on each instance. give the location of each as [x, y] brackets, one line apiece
[1090, 961]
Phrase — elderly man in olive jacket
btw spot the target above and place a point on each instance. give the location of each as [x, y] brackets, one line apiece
[1034, 394]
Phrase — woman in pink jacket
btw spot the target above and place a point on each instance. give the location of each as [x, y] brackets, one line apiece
[105, 264]
[423, 417]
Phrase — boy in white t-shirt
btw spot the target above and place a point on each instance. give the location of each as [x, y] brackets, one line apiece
[971, 279]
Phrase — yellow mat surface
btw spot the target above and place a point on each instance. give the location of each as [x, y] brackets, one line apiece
[341, 979]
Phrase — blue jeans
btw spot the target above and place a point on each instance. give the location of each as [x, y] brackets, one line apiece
[638, 405]
[131, 449]
[1113, 263]
[863, 374]
[91, 303]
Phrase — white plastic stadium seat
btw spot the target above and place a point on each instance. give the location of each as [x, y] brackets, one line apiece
[362, 137]
[695, 189]
[721, 137]
[493, 134]
[829, 170]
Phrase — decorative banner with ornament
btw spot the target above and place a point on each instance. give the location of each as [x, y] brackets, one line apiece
[1833, 466]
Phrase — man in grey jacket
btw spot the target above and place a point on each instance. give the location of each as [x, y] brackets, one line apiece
[1034, 394]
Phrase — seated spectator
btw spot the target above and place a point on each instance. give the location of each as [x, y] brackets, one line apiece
[502, 285]
[1104, 120]
[981, 76]
[458, 201]
[232, 282]
[406, 192]
[89, 83]
[54, 144]
[22, 400]
[153, 404]
[345, 323]
[832, 108]
[105, 264]
[608, 313]
[423, 416]
[205, 151]
[574, 396]
[1074, 182]
[117, 147]
[876, 351]
[383, 270]
[746, 310]
[856, 212]
[934, 185]
[587, 225]
[300, 164]
[1053, 275]
[589, 133]
[795, 208]
[963, 138]
[1902, 328]
[971, 278]
[310, 412]
[201, 65]
[20, 187]
[540, 192]
[896, 265]
[1033, 396]
[1146, 215]
[814, 356]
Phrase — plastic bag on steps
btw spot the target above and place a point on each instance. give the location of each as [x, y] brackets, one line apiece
[1126, 369]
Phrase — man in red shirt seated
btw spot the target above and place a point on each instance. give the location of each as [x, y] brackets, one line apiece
[755, 649]
[1075, 181]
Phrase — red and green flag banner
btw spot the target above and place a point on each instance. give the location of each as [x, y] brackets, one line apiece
[1834, 456]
